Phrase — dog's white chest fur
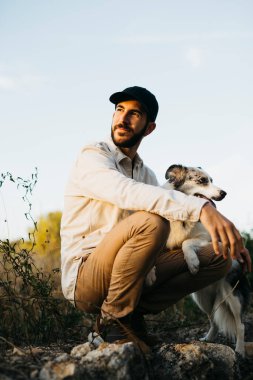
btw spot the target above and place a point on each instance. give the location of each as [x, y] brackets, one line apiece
[181, 231]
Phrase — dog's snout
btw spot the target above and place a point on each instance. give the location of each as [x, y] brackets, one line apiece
[223, 194]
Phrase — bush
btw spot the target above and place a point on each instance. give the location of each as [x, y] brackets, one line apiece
[30, 311]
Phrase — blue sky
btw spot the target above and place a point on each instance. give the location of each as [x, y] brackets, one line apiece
[61, 60]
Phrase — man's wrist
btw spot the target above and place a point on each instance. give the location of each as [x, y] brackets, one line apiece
[204, 209]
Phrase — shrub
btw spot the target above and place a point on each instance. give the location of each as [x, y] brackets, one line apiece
[29, 310]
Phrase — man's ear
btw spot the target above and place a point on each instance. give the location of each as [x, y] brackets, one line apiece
[151, 126]
[176, 174]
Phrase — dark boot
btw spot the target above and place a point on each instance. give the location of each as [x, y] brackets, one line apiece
[117, 331]
[139, 326]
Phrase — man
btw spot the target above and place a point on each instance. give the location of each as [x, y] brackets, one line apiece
[115, 225]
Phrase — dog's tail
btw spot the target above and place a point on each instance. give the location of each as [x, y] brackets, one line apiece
[233, 298]
[239, 282]
[224, 318]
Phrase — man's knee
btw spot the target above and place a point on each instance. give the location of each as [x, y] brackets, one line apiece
[155, 224]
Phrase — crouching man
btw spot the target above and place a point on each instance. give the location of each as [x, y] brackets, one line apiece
[115, 225]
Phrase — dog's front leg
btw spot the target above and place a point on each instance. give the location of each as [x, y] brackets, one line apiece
[212, 333]
[240, 345]
[190, 255]
[190, 247]
[235, 307]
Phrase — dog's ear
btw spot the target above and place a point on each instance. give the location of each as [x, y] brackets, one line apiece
[176, 174]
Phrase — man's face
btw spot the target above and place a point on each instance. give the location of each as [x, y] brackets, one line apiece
[129, 124]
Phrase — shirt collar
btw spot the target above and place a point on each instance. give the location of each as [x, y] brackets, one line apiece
[120, 155]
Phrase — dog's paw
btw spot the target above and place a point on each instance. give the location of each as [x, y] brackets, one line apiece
[193, 263]
[241, 352]
[240, 348]
[151, 277]
[211, 334]
[204, 339]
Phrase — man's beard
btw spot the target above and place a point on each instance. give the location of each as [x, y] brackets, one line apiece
[135, 139]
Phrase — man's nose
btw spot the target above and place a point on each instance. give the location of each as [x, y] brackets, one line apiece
[124, 117]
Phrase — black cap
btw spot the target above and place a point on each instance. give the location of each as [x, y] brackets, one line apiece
[142, 95]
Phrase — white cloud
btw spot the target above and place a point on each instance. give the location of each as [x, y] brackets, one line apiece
[195, 57]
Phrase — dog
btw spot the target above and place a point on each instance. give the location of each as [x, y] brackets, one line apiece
[191, 235]
[225, 300]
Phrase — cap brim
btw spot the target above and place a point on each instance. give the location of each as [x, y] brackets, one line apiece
[118, 97]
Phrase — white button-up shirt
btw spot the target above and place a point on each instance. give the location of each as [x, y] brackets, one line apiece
[104, 187]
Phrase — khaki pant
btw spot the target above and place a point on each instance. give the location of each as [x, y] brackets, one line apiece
[113, 276]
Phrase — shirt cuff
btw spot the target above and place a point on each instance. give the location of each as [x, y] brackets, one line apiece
[193, 207]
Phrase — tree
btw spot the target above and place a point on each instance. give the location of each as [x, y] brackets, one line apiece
[45, 241]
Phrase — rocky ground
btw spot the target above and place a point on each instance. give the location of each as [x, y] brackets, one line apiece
[27, 362]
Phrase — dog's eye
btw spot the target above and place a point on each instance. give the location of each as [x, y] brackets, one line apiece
[203, 180]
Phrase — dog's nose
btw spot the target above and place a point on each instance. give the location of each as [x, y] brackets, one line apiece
[223, 194]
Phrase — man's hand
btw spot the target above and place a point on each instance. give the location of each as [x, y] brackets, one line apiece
[224, 231]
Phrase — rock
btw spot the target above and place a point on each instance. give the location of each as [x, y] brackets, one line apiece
[196, 361]
[60, 368]
[81, 350]
[249, 349]
[109, 361]
[115, 362]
